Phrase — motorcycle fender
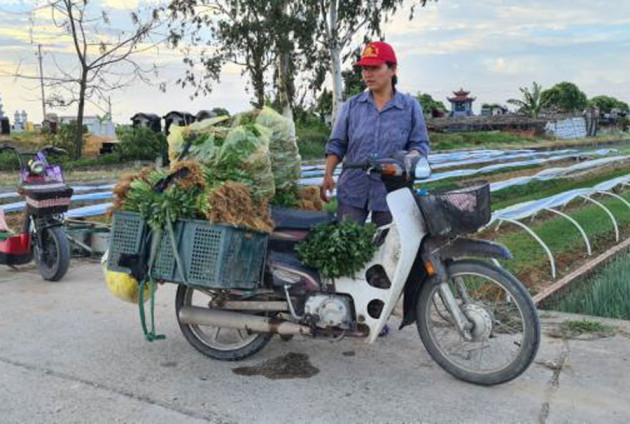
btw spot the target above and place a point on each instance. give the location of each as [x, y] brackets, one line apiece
[458, 248]
[463, 247]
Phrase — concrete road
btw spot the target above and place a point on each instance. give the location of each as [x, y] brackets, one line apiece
[70, 352]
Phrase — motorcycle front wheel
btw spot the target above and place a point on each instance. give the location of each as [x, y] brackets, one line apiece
[54, 258]
[505, 331]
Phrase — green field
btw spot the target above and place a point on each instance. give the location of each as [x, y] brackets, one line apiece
[605, 294]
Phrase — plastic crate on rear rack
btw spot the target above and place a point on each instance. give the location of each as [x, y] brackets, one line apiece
[213, 255]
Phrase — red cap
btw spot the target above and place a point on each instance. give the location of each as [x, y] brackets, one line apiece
[377, 53]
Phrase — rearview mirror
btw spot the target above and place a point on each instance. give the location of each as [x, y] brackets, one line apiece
[423, 169]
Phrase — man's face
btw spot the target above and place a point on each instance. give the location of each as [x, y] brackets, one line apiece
[376, 78]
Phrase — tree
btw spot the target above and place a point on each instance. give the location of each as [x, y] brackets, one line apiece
[607, 103]
[258, 35]
[429, 105]
[105, 56]
[220, 111]
[353, 85]
[352, 82]
[532, 102]
[339, 22]
[565, 97]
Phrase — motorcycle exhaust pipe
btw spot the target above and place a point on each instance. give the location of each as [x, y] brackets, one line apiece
[194, 315]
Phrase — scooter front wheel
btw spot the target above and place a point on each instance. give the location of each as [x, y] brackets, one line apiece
[54, 258]
[503, 329]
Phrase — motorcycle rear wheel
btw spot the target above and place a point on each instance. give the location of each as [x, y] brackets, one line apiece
[506, 330]
[216, 342]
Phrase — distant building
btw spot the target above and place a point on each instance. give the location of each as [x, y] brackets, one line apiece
[177, 118]
[19, 121]
[148, 120]
[494, 110]
[95, 125]
[461, 104]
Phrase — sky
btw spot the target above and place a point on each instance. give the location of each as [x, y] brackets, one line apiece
[488, 47]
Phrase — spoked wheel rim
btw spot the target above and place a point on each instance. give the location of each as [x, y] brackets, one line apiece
[499, 326]
[219, 338]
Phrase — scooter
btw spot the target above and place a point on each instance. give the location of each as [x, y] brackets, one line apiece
[42, 236]
[475, 319]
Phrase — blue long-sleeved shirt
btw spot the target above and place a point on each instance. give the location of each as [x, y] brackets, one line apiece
[360, 131]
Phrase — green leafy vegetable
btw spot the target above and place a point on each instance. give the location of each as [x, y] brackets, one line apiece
[338, 249]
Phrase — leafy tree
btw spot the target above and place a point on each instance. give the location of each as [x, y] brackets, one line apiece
[260, 35]
[532, 102]
[338, 22]
[353, 85]
[429, 105]
[565, 97]
[105, 56]
[140, 143]
[221, 111]
[607, 103]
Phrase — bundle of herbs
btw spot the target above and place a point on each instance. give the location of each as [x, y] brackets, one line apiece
[338, 249]
[180, 200]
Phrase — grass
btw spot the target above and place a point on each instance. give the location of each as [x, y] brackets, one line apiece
[505, 140]
[584, 326]
[606, 294]
[312, 139]
[441, 141]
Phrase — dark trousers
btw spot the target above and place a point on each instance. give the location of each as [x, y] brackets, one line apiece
[360, 215]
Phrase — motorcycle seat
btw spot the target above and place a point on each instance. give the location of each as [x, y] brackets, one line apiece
[295, 219]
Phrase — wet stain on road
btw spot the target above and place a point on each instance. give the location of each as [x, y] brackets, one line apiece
[289, 366]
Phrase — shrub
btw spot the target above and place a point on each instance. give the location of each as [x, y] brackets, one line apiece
[140, 143]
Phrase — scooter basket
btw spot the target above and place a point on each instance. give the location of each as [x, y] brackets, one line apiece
[47, 198]
[456, 211]
[213, 255]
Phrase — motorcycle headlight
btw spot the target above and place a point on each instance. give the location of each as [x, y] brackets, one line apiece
[36, 167]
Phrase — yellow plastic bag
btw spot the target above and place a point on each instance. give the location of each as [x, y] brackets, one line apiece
[122, 285]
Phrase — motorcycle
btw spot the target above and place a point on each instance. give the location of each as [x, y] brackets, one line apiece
[42, 236]
[475, 319]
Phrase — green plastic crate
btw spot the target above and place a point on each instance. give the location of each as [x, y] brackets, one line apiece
[128, 231]
[213, 256]
[221, 256]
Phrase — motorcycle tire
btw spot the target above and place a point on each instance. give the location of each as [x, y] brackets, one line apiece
[54, 261]
[518, 294]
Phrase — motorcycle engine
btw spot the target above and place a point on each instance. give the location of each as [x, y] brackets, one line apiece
[332, 311]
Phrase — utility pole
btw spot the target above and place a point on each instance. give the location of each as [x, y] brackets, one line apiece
[41, 80]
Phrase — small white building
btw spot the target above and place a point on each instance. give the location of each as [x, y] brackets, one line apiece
[95, 125]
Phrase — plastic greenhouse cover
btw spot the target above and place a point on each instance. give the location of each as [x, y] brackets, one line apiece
[87, 211]
[551, 173]
[489, 168]
[459, 160]
[527, 209]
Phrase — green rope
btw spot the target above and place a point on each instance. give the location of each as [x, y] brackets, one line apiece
[178, 260]
[150, 335]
